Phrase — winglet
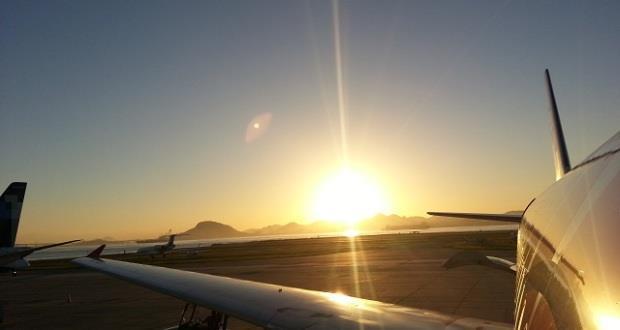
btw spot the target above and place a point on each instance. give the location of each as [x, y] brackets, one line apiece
[97, 252]
[560, 153]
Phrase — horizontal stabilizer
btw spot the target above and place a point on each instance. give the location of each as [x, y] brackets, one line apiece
[54, 245]
[19, 253]
[481, 216]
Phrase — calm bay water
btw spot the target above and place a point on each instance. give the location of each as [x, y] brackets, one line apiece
[74, 251]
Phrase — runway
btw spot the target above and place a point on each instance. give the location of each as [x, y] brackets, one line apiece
[402, 269]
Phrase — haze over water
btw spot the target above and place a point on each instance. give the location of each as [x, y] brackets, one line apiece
[75, 251]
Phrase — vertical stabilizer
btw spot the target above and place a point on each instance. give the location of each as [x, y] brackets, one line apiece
[560, 153]
[10, 208]
[171, 240]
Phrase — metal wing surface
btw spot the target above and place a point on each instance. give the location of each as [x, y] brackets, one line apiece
[279, 307]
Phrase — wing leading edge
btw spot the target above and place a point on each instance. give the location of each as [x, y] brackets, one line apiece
[279, 307]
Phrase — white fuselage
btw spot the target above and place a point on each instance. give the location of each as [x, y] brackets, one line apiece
[156, 249]
[567, 253]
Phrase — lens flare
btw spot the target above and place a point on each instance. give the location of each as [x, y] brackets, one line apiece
[257, 127]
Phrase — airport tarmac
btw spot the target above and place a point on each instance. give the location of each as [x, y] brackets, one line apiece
[404, 269]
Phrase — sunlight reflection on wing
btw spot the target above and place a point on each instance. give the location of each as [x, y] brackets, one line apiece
[341, 299]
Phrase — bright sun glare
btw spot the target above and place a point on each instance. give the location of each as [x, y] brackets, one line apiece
[348, 197]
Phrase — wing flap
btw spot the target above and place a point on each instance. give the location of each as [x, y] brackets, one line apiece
[19, 253]
[277, 307]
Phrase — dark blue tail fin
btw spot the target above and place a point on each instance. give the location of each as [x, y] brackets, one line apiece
[560, 152]
[171, 239]
[10, 208]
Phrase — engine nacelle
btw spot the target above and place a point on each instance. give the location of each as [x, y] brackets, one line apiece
[18, 264]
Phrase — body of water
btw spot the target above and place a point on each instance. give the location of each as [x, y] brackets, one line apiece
[74, 251]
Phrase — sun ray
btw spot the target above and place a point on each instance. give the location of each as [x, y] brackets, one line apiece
[342, 109]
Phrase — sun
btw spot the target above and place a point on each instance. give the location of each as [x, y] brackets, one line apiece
[348, 197]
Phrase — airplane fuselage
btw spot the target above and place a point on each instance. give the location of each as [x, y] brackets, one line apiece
[568, 246]
[156, 249]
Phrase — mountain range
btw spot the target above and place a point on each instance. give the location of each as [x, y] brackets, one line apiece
[214, 229]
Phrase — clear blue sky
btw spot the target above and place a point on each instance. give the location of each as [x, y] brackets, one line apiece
[129, 118]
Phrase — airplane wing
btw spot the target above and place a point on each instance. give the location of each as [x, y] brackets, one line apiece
[23, 252]
[278, 307]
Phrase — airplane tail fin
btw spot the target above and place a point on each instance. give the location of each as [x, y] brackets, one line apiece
[10, 209]
[171, 239]
[560, 153]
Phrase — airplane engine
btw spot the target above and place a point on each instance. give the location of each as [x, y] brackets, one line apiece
[19, 264]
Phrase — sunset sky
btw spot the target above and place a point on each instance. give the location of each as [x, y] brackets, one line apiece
[131, 118]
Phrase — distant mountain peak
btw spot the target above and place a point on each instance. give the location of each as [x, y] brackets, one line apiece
[211, 229]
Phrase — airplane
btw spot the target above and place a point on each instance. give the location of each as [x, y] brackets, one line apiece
[11, 257]
[160, 249]
[566, 270]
